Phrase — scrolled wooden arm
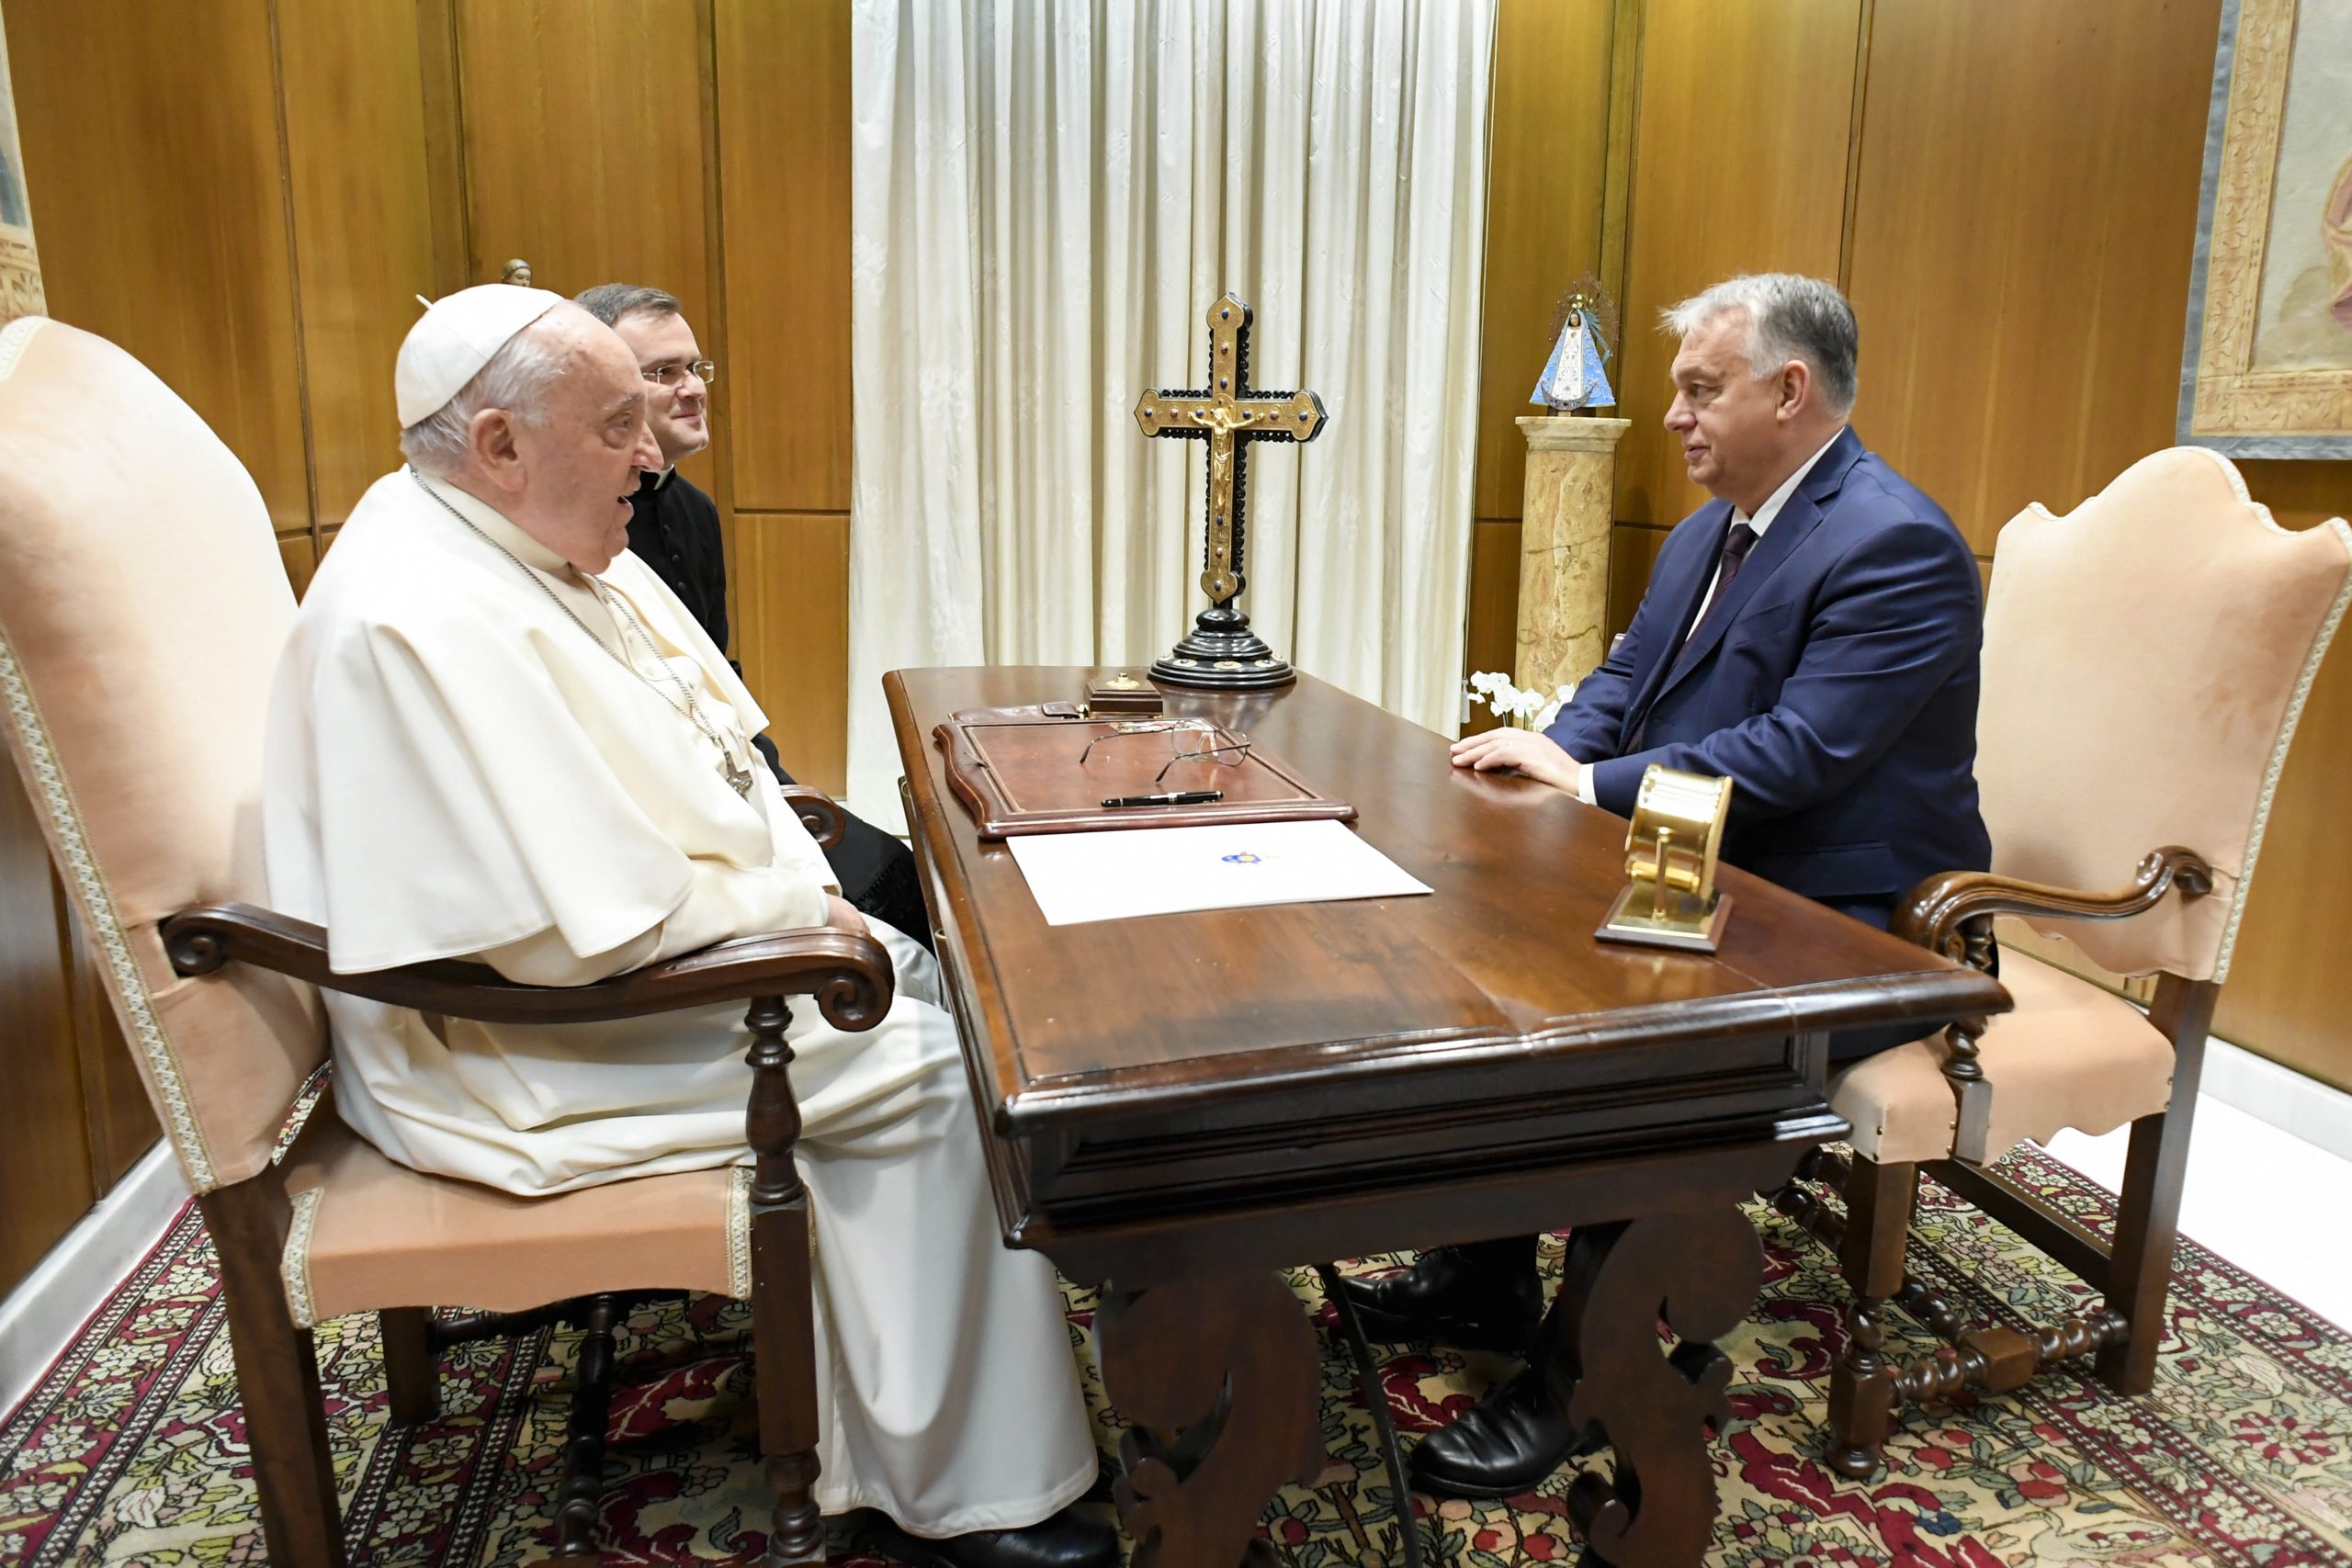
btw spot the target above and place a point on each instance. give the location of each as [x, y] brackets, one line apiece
[1939, 909]
[847, 975]
[1952, 914]
[818, 812]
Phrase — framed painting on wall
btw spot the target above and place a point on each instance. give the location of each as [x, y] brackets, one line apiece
[2268, 370]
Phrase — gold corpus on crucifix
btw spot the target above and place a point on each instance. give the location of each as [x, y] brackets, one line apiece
[1222, 651]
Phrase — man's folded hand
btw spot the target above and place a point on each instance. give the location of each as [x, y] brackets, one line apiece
[1537, 756]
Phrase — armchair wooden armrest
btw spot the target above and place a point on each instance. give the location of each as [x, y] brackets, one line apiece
[818, 812]
[847, 974]
[1940, 912]
[1952, 914]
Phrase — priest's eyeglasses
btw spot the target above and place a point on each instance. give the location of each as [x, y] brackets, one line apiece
[672, 375]
[1207, 743]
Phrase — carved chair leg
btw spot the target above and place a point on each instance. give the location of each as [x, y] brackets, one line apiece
[411, 1370]
[579, 1506]
[1861, 1387]
[277, 1376]
[2147, 1222]
[2147, 1225]
[784, 1322]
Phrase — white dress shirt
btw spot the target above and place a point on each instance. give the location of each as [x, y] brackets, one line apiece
[1755, 524]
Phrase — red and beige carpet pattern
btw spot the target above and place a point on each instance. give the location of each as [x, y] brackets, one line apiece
[132, 1449]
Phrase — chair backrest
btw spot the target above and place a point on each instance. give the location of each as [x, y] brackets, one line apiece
[143, 607]
[2147, 656]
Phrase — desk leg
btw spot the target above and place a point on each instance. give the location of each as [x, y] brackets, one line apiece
[1220, 1377]
[1700, 1272]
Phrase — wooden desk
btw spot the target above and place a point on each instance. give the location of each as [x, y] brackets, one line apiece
[1176, 1106]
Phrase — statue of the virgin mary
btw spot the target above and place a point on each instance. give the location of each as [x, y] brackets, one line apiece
[1573, 377]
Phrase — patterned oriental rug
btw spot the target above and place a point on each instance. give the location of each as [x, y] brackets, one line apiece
[132, 1450]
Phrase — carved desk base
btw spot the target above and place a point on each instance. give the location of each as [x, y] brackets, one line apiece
[1220, 1374]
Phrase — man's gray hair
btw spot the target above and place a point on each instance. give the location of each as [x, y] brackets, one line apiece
[516, 379]
[1788, 317]
[608, 302]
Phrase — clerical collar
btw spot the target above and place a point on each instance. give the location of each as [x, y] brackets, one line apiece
[1780, 498]
[493, 523]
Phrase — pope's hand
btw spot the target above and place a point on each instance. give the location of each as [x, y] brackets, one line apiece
[1537, 756]
[842, 916]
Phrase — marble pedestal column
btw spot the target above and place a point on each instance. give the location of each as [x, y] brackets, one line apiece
[1564, 524]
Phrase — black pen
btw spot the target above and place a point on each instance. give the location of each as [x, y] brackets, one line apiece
[1180, 798]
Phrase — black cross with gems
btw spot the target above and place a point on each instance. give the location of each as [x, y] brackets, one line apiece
[1222, 651]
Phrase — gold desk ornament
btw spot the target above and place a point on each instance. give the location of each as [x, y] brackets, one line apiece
[1670, 851]
[1222, 651]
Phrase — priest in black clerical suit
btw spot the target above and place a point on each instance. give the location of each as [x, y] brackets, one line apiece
[676, 533]
[1813, 635]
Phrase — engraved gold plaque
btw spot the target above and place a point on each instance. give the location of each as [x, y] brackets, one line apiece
[1671, 847]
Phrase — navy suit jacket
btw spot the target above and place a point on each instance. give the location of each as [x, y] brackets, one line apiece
[1837, 691]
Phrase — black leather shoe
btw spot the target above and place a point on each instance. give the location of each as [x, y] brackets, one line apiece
[1481, 1298]
[1506, 1444]
[1067, 1540]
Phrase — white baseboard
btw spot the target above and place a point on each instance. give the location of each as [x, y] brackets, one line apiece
[41, 1316]
[2319, 1114]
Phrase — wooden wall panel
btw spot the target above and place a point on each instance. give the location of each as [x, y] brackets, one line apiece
[792, 578]
[363, 225]
[2023, 218]
[1549, 144]
[300, 553]
[151, 156]
[1738, 165]
[1493, 642]
[45, 1161]
[617, 85]
[783, 182]
[2301, 494]
[1633, 551]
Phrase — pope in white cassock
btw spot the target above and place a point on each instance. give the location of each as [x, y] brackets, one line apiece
[496, 735]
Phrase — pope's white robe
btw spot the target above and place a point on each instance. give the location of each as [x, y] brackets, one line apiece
[455, 768]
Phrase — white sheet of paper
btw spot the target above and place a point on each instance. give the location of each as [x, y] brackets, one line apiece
[1078, 877]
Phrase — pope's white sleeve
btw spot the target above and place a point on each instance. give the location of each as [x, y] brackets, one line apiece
[724, 901]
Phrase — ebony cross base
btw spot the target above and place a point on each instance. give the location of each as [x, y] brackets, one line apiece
[1222, 654]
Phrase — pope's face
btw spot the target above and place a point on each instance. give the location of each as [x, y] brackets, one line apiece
[581, 460]
[1728, 420]
[677, 402]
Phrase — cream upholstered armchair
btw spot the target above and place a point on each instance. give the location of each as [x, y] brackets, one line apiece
[2147, 656]
[142, 608]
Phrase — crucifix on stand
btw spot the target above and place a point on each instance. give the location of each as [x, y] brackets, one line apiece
[1222, 651]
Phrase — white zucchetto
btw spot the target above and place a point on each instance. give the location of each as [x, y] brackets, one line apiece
[455, 338]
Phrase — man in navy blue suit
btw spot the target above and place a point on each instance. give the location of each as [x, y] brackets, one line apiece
[1811, 634]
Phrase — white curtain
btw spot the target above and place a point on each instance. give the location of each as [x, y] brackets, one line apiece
[1046, 199]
